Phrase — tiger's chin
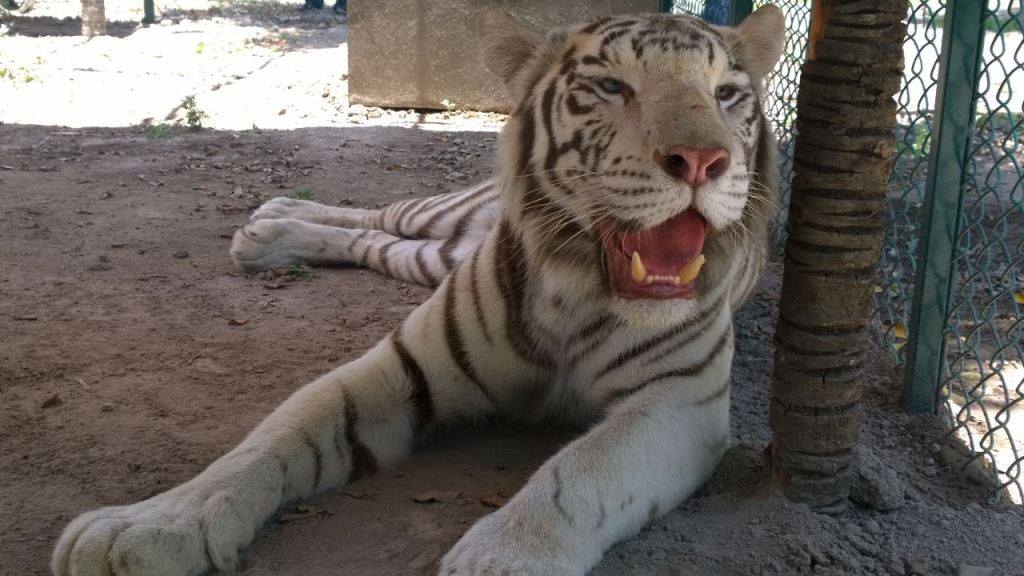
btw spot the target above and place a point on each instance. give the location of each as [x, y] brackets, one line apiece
[653, 314]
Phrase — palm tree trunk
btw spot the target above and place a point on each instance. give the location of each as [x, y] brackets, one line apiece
[94, 18]
[844, 152]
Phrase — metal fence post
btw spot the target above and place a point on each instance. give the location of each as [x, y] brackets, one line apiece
[665, 5]
[963, 32]
[149, 13]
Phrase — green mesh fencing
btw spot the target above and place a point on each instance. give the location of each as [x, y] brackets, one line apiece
[983, 383]
[979, 390]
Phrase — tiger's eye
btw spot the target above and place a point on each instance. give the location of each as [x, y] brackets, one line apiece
[725, 92]
[611, 85]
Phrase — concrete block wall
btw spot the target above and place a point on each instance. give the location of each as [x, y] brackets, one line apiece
[417, 53]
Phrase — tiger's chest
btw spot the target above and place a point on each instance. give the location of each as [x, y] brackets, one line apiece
[597, 359]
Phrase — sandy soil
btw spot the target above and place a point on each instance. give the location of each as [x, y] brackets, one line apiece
[136, 354]
[133, 354]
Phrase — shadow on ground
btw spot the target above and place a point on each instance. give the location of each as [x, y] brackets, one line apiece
[36, 26]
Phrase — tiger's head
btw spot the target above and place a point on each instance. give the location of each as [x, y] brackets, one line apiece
[636, 153]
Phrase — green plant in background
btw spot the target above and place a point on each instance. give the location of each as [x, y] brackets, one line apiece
[158, 131]
[1006, 122]
[992, 24]
[193, 115]
[922, 138]
[301, 271]
[914, 140]
[302, 194]
[22, 74]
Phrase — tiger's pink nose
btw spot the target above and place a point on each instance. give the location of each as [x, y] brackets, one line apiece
[695, 166]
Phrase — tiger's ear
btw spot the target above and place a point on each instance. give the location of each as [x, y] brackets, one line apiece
[760, 39]
[507, 45]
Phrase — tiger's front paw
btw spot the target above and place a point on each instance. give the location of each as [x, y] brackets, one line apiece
[166, 536]
[497, 546]
[189, 530]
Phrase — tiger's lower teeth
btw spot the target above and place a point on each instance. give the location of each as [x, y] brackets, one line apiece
[671, 279]
[686, 274]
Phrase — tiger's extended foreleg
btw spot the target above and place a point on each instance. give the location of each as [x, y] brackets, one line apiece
[279, 243]
[650, 452]
[362, 415]
[417, 240]
[434, 217]
[349, 421]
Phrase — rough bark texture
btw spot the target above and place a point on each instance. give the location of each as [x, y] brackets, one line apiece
[94, 18]
[844, 152]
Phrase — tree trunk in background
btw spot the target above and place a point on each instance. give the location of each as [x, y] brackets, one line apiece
[94, 18]
[844, 152]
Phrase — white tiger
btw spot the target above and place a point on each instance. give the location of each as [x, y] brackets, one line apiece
[594, 278]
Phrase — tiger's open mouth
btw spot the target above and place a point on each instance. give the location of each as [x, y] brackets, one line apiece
[662, 262]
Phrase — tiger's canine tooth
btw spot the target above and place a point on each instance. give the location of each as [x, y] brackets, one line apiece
[637, 268]
[690, 271]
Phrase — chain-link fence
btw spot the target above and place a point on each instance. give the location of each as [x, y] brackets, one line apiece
[970, 368]
[982, 387]
[973, 369]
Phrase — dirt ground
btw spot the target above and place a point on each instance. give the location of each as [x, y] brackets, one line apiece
[133, 353]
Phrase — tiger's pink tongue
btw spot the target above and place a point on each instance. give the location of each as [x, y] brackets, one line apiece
[669, 246]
